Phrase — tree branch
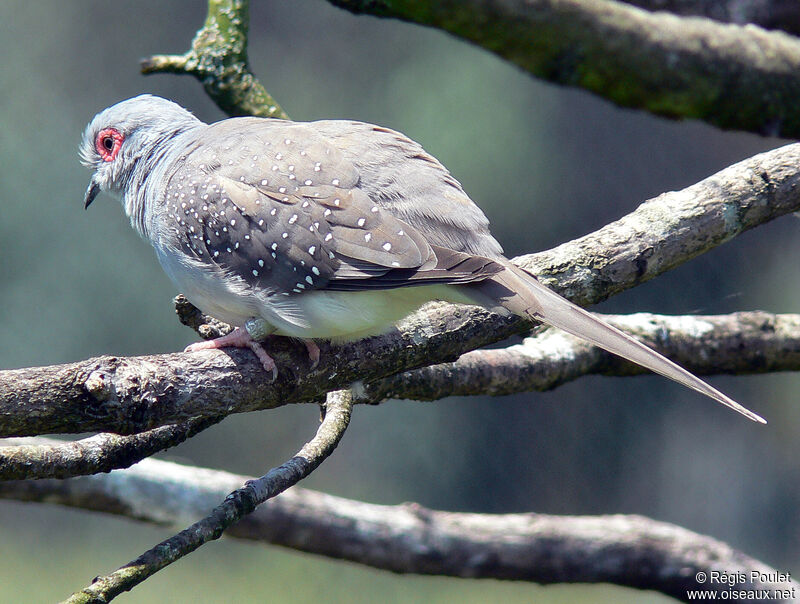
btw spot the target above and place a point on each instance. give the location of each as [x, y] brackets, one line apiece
[740, 343]
[769, 14]
[99, 453]
[235, 506]
[734, 77]
[218, 58]
[631, 551]
[129, 395]
[672, 228]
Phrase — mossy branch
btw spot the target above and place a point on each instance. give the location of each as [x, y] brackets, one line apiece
[731, 76]
[218, 58]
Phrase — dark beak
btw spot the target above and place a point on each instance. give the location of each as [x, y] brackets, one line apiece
[91, 193]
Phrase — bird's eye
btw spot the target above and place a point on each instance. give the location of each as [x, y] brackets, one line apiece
[108, 143]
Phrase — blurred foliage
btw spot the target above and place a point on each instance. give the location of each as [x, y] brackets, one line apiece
[546, 164]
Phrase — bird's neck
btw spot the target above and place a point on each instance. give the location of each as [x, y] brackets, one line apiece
[150, 170]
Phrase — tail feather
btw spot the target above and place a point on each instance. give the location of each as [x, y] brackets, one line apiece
[523, 295]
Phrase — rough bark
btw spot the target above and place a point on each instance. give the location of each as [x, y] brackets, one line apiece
[99, 453]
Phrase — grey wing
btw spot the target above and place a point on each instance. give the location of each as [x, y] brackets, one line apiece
[281, 210]
[400, 176]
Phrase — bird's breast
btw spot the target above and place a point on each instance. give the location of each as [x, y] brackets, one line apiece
[224, 297]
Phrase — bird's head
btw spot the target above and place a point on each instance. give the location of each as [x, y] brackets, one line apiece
[122, 142]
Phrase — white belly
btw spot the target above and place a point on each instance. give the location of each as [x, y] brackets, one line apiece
[352, 315]
[311, 315]
[229, 300]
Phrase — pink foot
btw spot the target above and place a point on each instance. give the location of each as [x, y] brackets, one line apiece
[239, 338]
[313, 352]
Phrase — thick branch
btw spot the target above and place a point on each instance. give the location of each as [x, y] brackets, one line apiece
[769, 14]
[218, 58]
[137, 394]
[736, 77]
[129, 395]
[743, 342]
[672, 228]
[625, 550]
[235, 506]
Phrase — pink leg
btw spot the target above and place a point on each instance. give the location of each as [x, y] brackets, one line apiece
[239, 338]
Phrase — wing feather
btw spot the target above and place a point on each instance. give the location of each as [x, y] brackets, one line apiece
[288, 217]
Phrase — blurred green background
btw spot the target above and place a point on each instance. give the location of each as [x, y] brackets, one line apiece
[547, 164]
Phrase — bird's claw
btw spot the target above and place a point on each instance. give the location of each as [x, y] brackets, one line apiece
[238, 338]
[267, 361]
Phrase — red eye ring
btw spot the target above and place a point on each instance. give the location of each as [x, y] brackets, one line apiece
[108, 143]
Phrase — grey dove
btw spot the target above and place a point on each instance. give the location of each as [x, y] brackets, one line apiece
[321, 230]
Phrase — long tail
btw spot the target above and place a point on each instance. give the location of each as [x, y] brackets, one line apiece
[523, 295]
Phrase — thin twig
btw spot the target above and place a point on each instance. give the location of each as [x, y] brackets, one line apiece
[235, 506]
[99, 453]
